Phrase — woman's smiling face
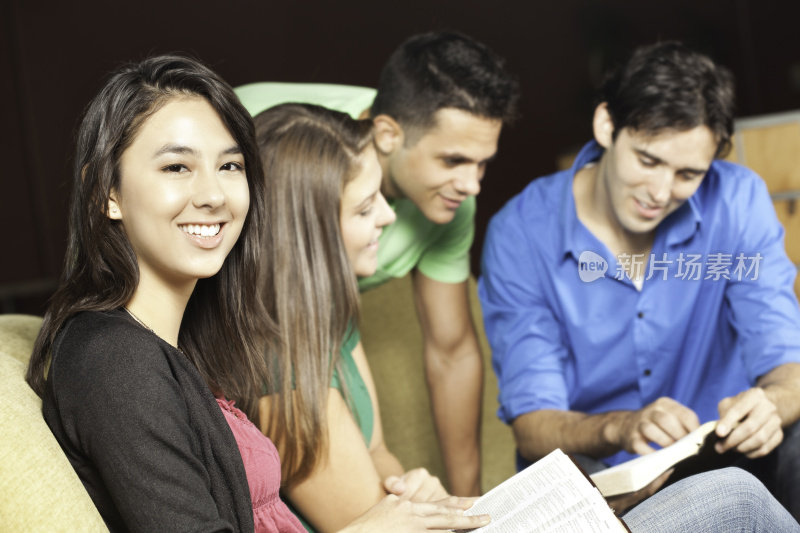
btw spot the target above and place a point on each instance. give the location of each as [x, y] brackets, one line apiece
[183, 194]
[363, 214]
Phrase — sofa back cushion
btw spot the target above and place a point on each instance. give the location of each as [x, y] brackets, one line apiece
[40, 491]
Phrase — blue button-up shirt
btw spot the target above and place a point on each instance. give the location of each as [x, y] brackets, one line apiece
[570, 331]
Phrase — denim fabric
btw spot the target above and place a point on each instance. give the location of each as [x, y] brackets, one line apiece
[728, 500]
[780, 470]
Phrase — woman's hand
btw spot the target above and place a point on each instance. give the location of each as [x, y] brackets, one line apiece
[416, 485]
[400, 515]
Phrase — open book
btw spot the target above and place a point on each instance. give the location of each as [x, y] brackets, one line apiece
[636, 474]
[550, 496]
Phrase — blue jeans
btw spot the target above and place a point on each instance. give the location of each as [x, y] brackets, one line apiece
[727, 500]
[779, 471]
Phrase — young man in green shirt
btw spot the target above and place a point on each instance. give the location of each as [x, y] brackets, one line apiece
[441, 102]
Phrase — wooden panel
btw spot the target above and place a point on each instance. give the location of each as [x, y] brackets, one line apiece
[770, 145]
[789, 214]
[797, 286]
[774, 152]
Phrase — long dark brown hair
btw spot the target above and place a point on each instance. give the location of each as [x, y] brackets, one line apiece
[224, 325]
[309, 153]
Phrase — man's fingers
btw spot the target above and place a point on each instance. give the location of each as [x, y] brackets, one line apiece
[673, 425]
[749, 424]
[688, 419]
[770, 445]
[653, 432]
[664, 421]
[748, 438]
[734, 409]
[725, 404]
[640, 446]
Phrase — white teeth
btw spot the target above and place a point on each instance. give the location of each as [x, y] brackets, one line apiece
[201, 229]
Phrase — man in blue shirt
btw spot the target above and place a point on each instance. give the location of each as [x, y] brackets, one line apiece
[646, 289]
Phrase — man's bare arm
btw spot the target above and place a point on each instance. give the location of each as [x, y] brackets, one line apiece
[663, 422]
[782, 386]
[454, 372]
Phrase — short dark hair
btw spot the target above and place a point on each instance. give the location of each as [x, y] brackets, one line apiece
[667, 86]
[437, 70]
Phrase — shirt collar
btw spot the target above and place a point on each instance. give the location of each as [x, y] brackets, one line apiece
[679, 227]
[574, 237]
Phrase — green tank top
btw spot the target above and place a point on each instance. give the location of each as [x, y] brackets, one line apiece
[356, 396]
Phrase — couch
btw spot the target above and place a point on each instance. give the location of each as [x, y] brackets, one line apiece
[39, 490]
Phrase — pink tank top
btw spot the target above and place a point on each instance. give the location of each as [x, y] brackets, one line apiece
[263, 468]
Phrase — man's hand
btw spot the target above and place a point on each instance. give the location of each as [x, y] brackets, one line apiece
[749, 423]
[663, 422]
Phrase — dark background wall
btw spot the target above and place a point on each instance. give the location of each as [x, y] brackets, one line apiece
[53, 58]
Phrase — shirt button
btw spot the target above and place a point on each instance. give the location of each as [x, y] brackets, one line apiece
[640, 314]
[647, 372]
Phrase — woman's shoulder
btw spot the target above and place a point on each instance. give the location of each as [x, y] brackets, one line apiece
[99, 342]
[100, 321]
[113, 329]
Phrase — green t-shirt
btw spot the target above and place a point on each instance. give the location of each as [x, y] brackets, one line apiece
[440, 251]
[350, 99]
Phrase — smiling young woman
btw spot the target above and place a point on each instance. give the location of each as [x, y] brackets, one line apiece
[155, 330]
[145, 324]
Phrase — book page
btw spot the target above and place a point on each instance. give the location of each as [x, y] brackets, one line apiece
[550, 496]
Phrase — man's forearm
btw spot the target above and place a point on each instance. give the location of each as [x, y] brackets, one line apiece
[782, 387]
[455, 383]
[539, 432]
